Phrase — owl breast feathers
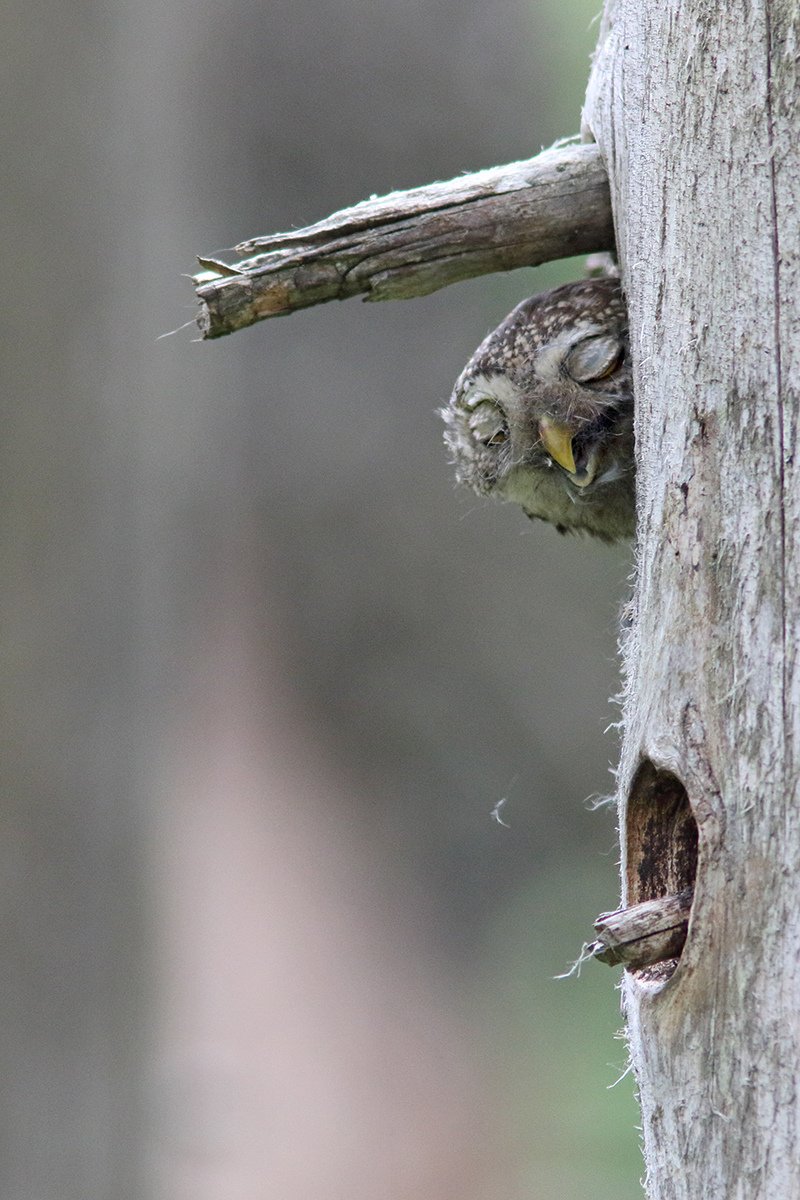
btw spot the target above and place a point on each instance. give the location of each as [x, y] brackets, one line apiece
[542, 414]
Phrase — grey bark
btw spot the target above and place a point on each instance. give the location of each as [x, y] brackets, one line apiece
[694, 108]
[412, 243]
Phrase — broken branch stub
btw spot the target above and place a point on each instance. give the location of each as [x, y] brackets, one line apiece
[651, 932]
[412, 243]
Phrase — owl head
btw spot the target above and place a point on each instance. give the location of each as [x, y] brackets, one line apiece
[542, 414]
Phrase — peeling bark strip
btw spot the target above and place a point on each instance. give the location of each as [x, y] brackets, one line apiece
[695, 107]
[412, 243]
[647, 933]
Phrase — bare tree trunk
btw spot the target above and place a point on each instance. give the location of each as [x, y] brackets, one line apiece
[693, 105]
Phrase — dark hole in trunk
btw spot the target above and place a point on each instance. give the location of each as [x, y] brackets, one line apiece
[661, 836]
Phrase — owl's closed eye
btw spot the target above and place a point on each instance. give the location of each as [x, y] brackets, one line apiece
[542, 414]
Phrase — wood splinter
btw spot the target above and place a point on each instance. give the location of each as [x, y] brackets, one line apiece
[646, 933]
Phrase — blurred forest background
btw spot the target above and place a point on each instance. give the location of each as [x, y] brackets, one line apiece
[266, 673]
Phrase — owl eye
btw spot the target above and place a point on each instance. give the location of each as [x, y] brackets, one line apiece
[487, 423]
[594, 358]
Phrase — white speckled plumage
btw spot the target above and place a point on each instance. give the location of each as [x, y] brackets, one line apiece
[542, 415]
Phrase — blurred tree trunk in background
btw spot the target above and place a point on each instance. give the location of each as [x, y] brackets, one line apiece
[696, 109]
[74, 995]
[265, 674]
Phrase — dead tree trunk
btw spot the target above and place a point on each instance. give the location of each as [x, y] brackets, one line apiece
[694, 106]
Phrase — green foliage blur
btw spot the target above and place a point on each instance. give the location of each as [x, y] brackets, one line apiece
[567, 1103]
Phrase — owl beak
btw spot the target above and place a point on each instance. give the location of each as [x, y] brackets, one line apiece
[557, 441]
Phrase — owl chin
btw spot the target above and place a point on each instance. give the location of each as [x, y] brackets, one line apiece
[604, 508]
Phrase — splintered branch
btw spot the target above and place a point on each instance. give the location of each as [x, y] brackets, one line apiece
[412, 243]
[646, 933]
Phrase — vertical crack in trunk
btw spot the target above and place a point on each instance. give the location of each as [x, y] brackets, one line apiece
[776, 271]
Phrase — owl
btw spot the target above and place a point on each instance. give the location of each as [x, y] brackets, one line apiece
[542, 414]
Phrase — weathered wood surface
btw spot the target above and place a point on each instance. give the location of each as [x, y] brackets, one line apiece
[695, 108]
[411, 243]
[647, 933]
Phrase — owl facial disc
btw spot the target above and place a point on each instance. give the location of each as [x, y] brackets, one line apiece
[542, 414]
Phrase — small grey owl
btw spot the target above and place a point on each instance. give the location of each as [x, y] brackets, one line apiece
[542, 414]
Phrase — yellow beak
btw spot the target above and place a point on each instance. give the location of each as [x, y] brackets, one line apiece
[557, 441]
